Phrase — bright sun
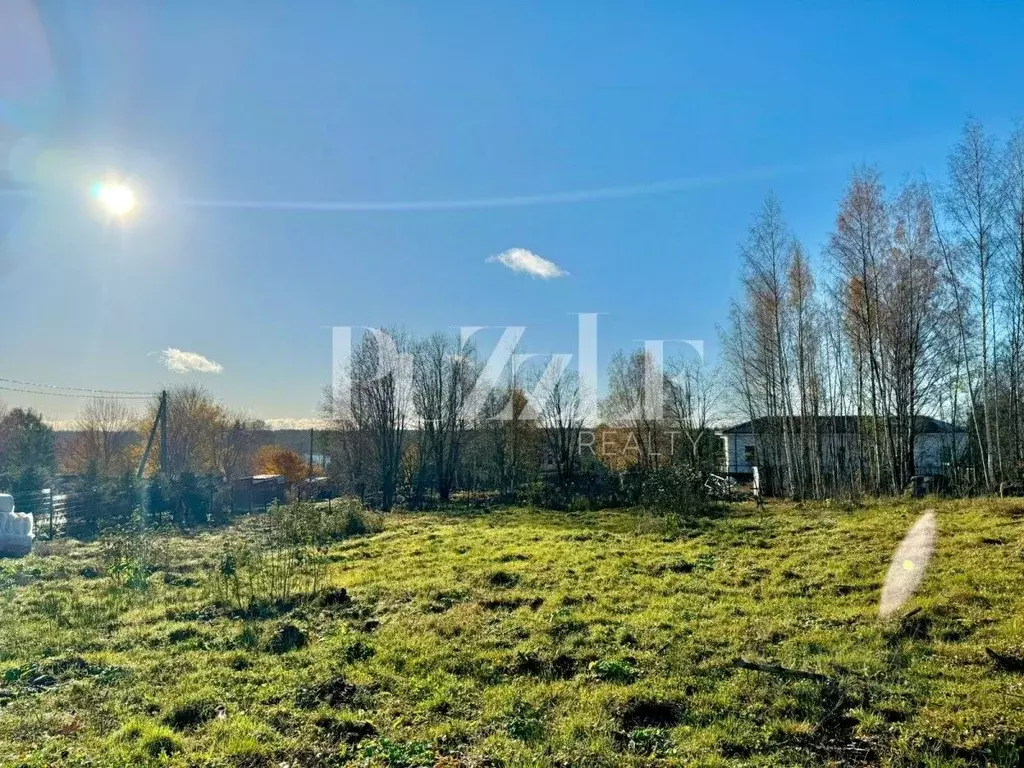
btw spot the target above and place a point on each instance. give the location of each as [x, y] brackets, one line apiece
[116, 198]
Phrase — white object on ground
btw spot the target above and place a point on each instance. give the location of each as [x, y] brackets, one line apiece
[908, 565]
[15, 528]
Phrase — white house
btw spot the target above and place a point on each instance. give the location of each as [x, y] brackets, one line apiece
[936, 444]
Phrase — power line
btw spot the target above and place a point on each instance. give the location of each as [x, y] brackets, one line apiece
[77, 389]
[80, 397]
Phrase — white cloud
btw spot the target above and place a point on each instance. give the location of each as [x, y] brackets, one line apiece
[522, 260]
[180, 361]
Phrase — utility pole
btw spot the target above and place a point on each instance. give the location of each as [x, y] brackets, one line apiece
[161, 422]
[164, 463]
[310, 453]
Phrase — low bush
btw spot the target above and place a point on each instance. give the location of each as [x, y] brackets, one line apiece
[677, 489]
[131, 553]
[595, 486]
[287, 558]
[312, 524]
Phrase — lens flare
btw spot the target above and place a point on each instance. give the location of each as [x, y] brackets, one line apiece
[908, 565]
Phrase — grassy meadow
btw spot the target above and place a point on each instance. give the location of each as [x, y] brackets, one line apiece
[515, 637]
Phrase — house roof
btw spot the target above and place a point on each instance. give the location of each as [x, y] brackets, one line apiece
[924, 425]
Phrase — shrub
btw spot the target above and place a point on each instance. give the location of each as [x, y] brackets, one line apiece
[190, 503]
[131, 553]
[595, 486]
[187, 502]
[26, 487]
[677, 489]
[288, 557]
[96, 504]
[251, 578]
[316, 524]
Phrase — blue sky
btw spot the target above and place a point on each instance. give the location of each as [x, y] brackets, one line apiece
[394, 103]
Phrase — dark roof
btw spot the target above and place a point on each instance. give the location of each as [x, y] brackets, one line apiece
[925, 425]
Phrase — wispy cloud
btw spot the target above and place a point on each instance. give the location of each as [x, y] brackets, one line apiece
[180, 361]
[522, 260]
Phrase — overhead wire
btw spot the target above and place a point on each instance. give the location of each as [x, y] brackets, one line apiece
[36, 385]
[84, 395]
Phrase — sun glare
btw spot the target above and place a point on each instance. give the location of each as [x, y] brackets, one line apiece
[116, 198]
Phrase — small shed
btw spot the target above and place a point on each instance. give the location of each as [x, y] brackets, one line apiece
[258, 492]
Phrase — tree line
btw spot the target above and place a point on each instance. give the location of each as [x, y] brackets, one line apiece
[417, 419]
[93, 468]
[916, 308]
[411, 438]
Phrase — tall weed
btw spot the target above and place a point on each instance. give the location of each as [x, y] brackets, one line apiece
[287, 557]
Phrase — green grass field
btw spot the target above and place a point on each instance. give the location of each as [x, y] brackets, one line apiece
[522, 638]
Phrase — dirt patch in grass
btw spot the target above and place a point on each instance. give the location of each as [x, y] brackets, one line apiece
[346, 730]
[286, 638]
[560, 666]
[333, 692]
[503, 579]
[648, 713]
[511, 603]
[334, 598]
[184, 635]
[445, 600]
[191, 713]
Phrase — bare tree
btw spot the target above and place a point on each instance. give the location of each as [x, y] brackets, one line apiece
[347, 442]
[974, 203]
[444, 375]
[507, 433]
[914, 323]
[635, 402]
[562, 416]
[858, 249]
[756, 347]
[237, 446]
[1013, 229]
[690, 392]
[834, 383]
[196, 425]
[105, 433]
[371, 411]
[805, 351]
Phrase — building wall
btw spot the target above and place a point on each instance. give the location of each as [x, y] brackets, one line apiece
[736, 445]
[932, 451]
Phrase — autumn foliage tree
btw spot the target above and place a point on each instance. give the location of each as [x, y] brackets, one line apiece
[278, 460]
